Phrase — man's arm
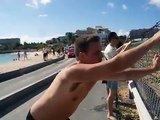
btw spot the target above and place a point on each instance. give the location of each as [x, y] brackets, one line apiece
[131, 74]
[124, 47]
[129, 57]
[88, 73]
[100, 71]
[136, 73]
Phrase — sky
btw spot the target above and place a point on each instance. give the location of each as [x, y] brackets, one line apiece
[41, 20]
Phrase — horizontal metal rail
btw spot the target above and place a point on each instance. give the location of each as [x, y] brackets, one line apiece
[142, 110]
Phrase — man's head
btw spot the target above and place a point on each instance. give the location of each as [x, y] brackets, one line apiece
[113, 38]
[88, 49]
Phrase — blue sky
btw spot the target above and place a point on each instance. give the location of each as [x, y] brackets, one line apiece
[40, 20]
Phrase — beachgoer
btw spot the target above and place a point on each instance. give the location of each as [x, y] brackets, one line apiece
[53, 51]
[25, 55]
[110, 51]
[45, 54]
[18, 55]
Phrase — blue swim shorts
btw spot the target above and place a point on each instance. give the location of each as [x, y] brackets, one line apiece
[111, 84]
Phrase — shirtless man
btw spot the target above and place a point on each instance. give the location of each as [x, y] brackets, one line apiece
[74, 82]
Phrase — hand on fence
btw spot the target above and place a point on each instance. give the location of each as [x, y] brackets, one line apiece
[128, 43]
[156, 62]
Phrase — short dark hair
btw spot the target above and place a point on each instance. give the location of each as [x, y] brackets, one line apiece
[112, 35]
[83, 41]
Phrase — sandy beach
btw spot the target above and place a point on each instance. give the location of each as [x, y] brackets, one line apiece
[32, 60]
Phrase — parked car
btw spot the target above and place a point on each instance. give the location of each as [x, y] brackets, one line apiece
[71, 52]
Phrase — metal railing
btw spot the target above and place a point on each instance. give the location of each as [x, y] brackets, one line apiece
[141, 108]
[149, 86]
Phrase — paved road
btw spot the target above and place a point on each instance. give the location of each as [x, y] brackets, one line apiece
[92, 108]
[15, 84]
[20, 112]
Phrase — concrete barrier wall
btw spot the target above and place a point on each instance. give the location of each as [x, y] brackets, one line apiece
[16, 73]
[15, 99]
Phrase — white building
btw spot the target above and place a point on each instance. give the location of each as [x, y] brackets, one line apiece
[102, 33]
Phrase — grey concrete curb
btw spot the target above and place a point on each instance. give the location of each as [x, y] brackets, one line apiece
[15, 99]
[16, 73]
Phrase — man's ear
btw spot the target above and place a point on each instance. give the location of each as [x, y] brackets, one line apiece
[81, 56]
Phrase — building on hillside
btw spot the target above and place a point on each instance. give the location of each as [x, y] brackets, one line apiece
[11, 43]
[98, 30]
[102, 33]
[142, 33]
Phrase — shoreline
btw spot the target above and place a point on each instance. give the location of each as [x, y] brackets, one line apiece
[19, 64]
[13, 51]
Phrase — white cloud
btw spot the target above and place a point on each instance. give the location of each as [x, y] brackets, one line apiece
[36, 3]
[155, 2]
[32, 3]
[146, 7]
[29, 39]
[43, 15]
[29, 5]
[45, 2]
[122, 32]
[103, 12]
[124, 7]
[110, 4]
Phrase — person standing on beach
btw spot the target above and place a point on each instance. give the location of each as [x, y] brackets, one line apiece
[111, 51]
[58, 52]
[25, 55]
[18, 55]
[53, 51]
[45, 54]
[73, 83]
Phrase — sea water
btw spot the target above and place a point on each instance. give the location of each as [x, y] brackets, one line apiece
[8, 57]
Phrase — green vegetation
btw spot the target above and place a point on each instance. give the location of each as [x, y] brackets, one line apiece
[146, 61]
[127, 109]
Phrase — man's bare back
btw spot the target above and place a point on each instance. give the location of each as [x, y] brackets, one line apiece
[61, 99]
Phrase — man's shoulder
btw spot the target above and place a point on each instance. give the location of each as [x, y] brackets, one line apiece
[74, 67]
